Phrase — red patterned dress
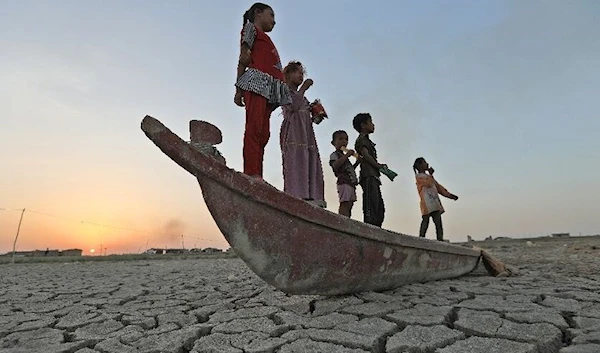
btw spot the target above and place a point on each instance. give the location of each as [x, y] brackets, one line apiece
[264, 90]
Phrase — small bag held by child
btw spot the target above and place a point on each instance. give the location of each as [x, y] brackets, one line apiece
[317, 111]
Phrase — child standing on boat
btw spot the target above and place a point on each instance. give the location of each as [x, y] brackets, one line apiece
[302, 170]
[373, 207]
[429, 190]
[344, 171]
[259, 87]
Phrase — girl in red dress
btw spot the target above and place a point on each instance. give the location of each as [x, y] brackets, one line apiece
[260, 84]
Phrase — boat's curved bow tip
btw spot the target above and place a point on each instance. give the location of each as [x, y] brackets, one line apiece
[151, 125]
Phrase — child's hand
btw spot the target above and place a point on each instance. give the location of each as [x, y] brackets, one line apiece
[306, 84]
[350, 153]
[382, 166]
[431, 170]
[454, 197]
[238, 99]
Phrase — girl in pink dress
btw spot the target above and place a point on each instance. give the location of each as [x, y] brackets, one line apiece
[302, 170]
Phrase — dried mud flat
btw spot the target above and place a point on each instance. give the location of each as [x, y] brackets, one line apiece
[552, 305]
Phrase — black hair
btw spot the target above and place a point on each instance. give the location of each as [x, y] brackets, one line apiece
[359, 119]
[251, 13]
[293, 66]
[336, 134]
[417, 162]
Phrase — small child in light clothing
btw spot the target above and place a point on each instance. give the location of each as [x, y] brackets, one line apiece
[429, 190]
[344, 171]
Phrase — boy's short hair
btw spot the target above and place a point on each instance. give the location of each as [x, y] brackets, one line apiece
[359, 119]
[337, 133]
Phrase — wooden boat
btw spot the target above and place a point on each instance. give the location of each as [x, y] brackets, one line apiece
[295, 246]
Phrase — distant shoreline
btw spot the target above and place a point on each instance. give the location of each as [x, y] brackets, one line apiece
[7, 258]
[533, 239]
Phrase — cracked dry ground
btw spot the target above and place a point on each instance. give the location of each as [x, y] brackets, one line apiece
[218, 305]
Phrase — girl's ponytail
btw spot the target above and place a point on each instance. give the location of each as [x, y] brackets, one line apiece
[249, 15]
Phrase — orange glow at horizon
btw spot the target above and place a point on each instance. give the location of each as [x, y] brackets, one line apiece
[113, 234]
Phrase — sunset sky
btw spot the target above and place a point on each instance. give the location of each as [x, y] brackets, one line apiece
[501, 97]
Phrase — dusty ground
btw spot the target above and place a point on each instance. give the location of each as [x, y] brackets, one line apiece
[576, 256]
[203, 305]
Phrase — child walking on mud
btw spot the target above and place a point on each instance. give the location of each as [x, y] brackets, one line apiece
[302, 170]
[260, 84]
[429, 190]
[344, 171]
[373, 206]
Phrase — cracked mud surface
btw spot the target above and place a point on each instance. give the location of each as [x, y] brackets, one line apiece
[219, 305]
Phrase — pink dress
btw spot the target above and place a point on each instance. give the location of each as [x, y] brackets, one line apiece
[302, 170]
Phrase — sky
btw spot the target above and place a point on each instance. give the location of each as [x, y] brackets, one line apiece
[500, 97]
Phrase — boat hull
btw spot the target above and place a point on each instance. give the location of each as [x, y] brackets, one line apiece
[300, 248]
[302, 257]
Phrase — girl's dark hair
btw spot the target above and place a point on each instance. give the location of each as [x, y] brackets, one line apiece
[359, 119]
[251, 13]
[293, 66]
[338, 133]
[417, 162]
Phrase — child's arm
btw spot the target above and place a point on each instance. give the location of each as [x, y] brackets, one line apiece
[442, 191]
[369, 159]
[340, 161]
[246, 44]
[244, 60]
[305, 86]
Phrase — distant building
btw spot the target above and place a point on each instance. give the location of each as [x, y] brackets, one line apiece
[71, 252]
[46, 252]
[561, 235]
[156, 251]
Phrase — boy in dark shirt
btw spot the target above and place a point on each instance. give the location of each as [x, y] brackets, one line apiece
[373, 207]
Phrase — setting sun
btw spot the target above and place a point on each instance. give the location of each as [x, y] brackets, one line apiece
[92, 251]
